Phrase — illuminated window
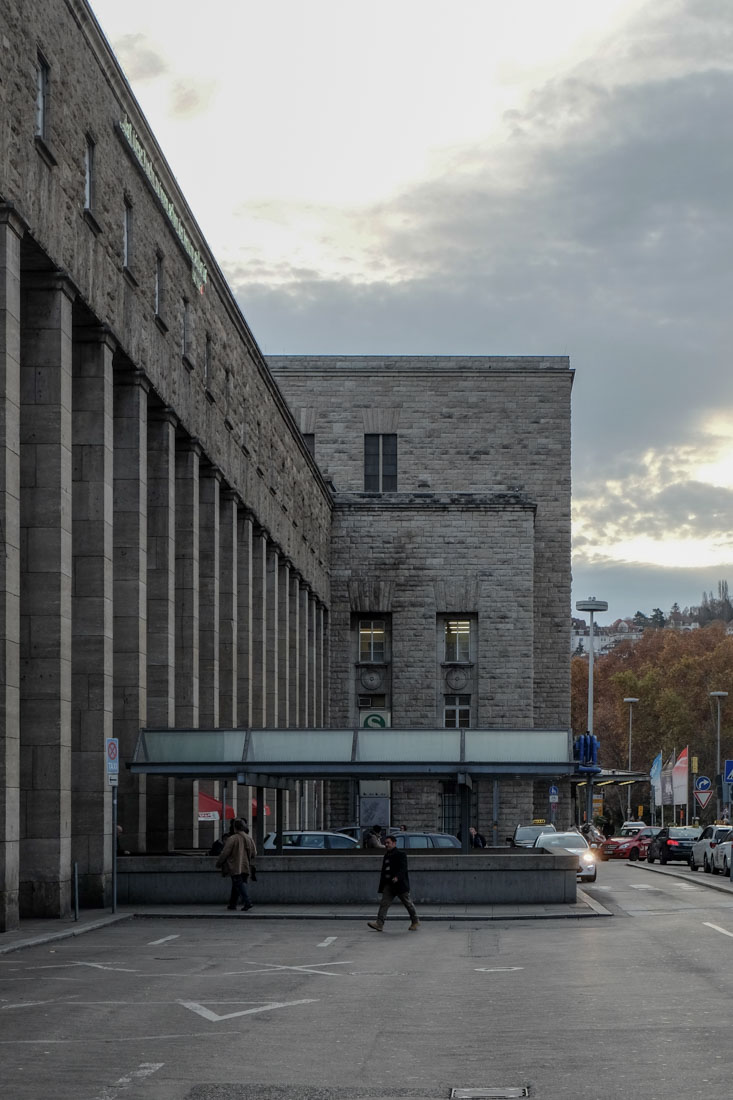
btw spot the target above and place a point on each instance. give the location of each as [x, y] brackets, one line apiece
[458, 640]
[457, 712]
[371, 640]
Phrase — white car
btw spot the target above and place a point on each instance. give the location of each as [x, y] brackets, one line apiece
[721, 860]
[706, 845]
[577, 845]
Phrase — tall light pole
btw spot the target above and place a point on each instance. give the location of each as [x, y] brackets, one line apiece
[630, 699]
[718, 695]
[592, 605]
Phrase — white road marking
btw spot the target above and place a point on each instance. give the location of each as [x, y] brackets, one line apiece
[642, 886]
[25, 1004]
[94, 966]
[109, 1092]
[166, 939]
[328, 941]
[718, 928]
[216, 1018]
[497, 969]
[307, 968]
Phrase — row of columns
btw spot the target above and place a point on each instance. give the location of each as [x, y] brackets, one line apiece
[136, 589]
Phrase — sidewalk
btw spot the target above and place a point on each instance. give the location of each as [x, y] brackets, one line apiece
[41, 931]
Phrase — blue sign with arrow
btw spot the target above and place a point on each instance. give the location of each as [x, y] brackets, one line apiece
[703, 783]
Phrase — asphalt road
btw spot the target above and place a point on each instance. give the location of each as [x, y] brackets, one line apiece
[155, 1009]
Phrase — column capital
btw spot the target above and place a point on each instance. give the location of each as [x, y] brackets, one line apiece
[96, 334]
[210, 469]
[50, 280]
[162, 414]
[126, 376]
[9, 216]
[190, 444]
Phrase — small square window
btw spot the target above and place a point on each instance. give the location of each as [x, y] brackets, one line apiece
[457, 712]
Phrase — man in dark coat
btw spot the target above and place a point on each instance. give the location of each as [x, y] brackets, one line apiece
[394, 883]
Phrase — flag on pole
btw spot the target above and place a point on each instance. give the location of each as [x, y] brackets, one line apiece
[680, 779]
[655, 774]
[667, 787]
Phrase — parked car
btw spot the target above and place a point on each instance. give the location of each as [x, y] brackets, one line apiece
[720, 857]
[524, 836]
[673, 844]
[311, 841]
[414, 840]
[705, 845]
[575, 844]
[633, 845]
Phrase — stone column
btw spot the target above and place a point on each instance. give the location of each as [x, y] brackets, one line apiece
[11, 232]
[91, 613]
[304, 655]
[188, 454]
[161, 648]
[130, 526]
[272, 640]
[228, 609]
[244, 617]
[312, 662]
[209, 487]
[259, 628]
[244, 667]
[295, 649]
[45, 611]
[283, 653]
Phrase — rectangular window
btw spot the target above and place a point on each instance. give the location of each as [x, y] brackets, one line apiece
[127, 235]
[458, 640]
[309, 439]
[380, 463]
[207, 361]
[89, 175]
[158, 284]
[185, 328]
[43, 73]
[457, 712]
[371, 641]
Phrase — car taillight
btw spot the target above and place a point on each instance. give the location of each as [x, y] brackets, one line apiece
[673, 843]
[713, 843]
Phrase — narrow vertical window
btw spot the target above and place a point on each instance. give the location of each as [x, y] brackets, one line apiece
[380, 463]
[42, 81]
[186, 328]
[89, 175]
[309, 439]
[127, 235]
[207, 361]
[158, 284]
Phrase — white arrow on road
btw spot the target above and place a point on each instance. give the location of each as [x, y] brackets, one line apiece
[215, 1018]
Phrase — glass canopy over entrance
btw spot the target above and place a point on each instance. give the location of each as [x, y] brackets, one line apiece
[272, 757]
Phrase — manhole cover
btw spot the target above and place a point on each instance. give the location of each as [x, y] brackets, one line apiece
[489, 1093]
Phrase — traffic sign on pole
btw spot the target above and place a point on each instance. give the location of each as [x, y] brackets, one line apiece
[112, 753]
[703, 783]
[703, 797]
[728, 772]
[554, 794]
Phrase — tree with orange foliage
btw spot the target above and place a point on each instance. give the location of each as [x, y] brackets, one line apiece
[672, 673]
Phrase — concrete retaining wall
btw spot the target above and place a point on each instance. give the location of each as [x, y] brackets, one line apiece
[474, 879]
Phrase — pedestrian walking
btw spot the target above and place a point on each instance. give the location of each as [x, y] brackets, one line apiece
[394, 883]
[235, 860]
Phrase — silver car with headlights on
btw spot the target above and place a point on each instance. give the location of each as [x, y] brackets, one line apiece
[577, 845]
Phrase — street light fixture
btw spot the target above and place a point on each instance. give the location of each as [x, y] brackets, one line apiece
[718, 695]
[630, 699]
[592, 605]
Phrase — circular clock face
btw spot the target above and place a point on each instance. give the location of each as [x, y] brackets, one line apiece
[371, 678]
[456, 678]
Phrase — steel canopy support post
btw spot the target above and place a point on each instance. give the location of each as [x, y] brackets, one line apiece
[464, 787]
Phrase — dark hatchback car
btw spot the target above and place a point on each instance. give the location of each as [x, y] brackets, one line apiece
[524, 836]
[672, 845]
[415, 840]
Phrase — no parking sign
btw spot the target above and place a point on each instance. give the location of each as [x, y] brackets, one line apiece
[112, 753]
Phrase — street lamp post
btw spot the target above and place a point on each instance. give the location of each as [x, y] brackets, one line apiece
[630, 699]
[718, 695]
[592, 605]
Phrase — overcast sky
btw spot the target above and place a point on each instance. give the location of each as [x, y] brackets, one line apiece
[476, 177]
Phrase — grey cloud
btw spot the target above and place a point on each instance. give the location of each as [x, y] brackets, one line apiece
[190, 97]
[685, 509]
[139, 57]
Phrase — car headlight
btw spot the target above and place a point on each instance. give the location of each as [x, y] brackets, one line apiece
[588, 857]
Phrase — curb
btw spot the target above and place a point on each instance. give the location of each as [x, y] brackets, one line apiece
[64, 934]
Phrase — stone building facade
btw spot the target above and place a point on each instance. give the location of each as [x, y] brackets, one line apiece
[166, 532]
[461, 552]
[175, 556]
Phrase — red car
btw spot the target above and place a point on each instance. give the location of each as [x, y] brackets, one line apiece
[629, 845]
